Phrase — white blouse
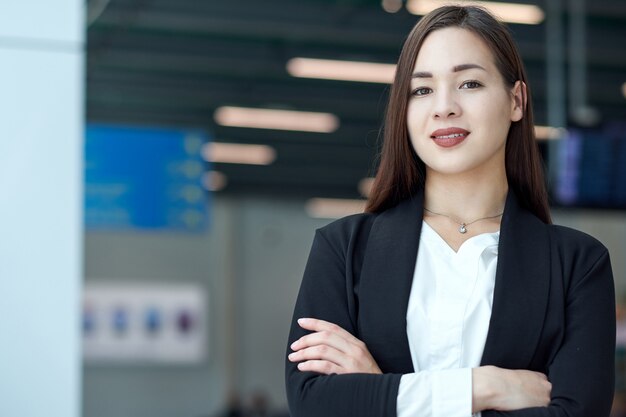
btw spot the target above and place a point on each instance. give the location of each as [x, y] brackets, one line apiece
[447, 321]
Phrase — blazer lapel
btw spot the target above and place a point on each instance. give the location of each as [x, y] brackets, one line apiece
[521, 288]
[520, 294]
[385, 284]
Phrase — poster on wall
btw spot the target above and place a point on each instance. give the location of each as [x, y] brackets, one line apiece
[145, 178]
[144, 323]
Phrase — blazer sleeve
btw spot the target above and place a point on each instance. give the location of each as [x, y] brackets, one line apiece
[583, 371]
[327, 294]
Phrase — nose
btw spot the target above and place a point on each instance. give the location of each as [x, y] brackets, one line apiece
[446, 105]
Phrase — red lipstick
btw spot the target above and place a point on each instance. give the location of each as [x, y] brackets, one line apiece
[449, 137]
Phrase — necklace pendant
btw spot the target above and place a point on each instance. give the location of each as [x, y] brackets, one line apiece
[462, 228]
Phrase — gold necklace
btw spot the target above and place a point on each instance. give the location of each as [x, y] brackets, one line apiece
[462, 225]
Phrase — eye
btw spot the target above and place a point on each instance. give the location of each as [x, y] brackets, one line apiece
[421, 91]
[471, 84]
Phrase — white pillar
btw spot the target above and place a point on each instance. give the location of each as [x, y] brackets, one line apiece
[41, 137]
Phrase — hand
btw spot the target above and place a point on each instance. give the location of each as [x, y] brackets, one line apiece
[331, 350]
[502, 389]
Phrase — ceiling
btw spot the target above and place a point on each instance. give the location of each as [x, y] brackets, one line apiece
[172, 63]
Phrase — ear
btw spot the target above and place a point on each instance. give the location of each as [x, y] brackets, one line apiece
[518, 104]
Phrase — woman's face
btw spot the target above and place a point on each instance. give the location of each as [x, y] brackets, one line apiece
[460, 110]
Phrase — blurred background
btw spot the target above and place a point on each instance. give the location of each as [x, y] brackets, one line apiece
[165, 163]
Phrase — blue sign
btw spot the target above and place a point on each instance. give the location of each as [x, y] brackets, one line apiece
[145, 178]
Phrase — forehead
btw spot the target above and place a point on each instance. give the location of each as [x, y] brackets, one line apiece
[445, 48]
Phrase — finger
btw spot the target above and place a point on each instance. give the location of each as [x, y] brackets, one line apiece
[350, 359]
[548, 387]
[322, 367]
[318, 325]
[321, 352]
[322, 338]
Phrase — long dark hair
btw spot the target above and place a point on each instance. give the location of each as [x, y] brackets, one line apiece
[401, 172]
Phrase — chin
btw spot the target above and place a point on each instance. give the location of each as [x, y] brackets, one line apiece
[453, 166]
[450, 172]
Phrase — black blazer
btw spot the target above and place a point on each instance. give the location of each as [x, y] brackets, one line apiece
[553, 311]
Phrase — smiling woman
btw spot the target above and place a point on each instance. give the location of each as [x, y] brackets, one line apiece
[453, 293]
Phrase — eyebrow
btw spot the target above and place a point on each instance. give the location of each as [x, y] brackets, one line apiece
[456, 68]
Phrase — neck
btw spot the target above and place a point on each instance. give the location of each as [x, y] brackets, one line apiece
[466, 197]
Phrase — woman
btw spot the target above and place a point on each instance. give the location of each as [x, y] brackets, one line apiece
[453, 294]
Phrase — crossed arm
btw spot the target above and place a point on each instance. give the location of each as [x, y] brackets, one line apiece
[329, 349]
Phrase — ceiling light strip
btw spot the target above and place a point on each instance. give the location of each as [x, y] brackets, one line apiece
[549, 132]
[238, 153]
[332, 208]
[214, 181]
[328, 69]
[276, 119]
[527, 14]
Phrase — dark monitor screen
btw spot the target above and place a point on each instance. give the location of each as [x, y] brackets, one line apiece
[591, 168]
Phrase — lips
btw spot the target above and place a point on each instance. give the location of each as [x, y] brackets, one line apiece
[449, 137]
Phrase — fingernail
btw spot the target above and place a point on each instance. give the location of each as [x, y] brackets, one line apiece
[291, 355]
[303, 321]
[294, 344]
